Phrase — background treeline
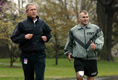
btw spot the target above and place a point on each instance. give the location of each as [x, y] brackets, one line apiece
[61, 16]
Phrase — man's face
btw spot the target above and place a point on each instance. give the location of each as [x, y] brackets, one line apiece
[32, 11]
[84, 19]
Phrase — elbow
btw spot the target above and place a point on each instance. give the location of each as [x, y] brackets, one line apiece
[14, 40]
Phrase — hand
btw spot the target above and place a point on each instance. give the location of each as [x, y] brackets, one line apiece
[69, 57]
[93, 46]
[28, 36]
[44, 38]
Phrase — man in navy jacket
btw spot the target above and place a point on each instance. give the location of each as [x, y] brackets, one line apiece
[31, 35]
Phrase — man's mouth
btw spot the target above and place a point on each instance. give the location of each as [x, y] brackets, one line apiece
[34, 14]
[85, 21]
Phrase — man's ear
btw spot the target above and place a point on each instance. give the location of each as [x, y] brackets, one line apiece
[78, 19]
[26, 12]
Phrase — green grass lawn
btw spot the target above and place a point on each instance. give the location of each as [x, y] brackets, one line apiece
[62, 70]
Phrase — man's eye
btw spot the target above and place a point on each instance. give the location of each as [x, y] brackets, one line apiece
[33, 9]
[85, 17]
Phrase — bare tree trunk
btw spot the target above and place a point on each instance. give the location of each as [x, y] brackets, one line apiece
[19, 4]
[56, 49]
[109, 35]
[102, 24]
[105, 19]
[83, 4]
[22, 3]
[76, 2]
[55, 43]
[11, 61]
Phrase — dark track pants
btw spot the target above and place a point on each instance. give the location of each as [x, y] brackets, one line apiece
[33, 62]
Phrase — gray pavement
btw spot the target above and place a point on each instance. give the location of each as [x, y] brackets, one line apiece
[107, 78]
[97, 78]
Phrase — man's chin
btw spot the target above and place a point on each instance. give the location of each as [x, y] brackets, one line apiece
[86, 23]
[34, 16]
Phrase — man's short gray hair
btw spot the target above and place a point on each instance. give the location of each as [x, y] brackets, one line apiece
[83, 11]
[29, 4]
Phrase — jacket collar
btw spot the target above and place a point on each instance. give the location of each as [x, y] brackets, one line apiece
[87, 27]
[31, 18]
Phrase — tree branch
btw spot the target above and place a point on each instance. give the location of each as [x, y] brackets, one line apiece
[116, 20]
[106, 4]
[115, 7]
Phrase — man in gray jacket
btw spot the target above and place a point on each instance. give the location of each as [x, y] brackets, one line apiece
[84, 42]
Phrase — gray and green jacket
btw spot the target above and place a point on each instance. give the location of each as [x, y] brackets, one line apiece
[79, 41]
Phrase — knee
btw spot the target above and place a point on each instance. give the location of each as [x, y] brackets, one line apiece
[79, 76]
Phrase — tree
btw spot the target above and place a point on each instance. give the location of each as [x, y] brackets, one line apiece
[56, 14]
[105, 18]
[8, 20]
[2, 48]
[5, 28]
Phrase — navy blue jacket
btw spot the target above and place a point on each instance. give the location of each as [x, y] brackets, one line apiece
[38, 29]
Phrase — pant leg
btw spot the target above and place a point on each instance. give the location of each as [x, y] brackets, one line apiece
[39, 65]
[27, 67]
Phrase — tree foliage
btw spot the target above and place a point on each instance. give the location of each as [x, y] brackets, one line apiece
[57, 15]
[8, 20]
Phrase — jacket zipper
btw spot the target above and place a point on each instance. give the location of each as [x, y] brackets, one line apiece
[85, 39]
[34, 27]
[85, 42]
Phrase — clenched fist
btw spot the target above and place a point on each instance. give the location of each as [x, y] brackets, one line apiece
[69, 57]
[93, 46]
[44, 38]
[28, 36]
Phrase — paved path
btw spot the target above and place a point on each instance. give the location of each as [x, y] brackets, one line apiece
[108, 78]
[98, 78]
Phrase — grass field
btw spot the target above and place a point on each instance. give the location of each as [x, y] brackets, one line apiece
[64, 69]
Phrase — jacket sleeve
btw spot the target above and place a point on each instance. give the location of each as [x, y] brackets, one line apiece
[99, 42]
[47, 32]
[69, 44]
[17, 36]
